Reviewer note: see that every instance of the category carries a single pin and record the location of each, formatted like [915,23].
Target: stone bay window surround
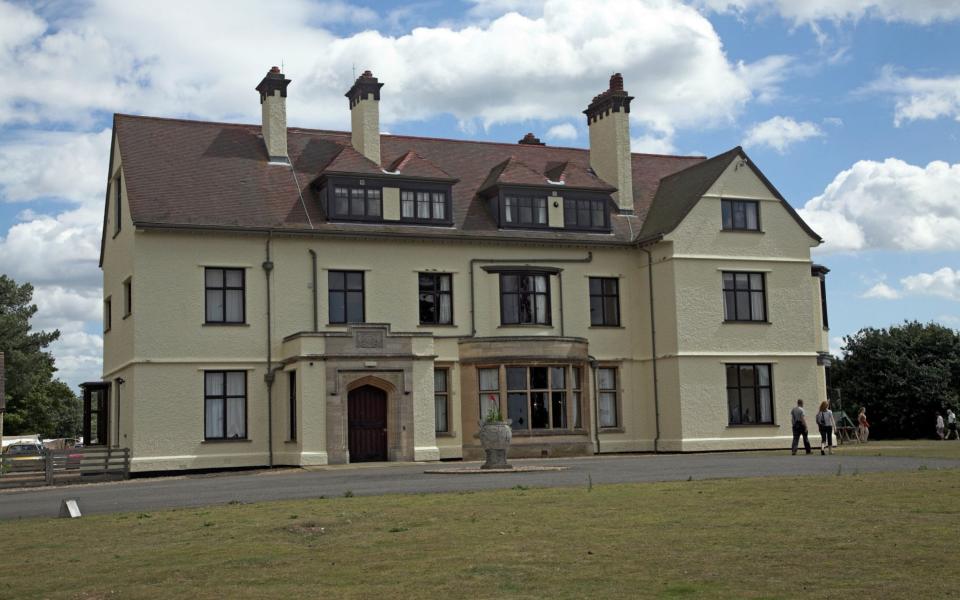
[312,297]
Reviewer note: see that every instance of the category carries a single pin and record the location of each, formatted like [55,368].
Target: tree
[903,375]
[36,402]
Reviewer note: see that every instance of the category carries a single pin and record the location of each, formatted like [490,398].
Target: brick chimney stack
[608,119]
[364,99]
[273,109]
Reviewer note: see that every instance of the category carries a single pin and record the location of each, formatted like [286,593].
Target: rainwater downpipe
[594,364]
[525,261]
[653,350]
[271,375]
[316,323]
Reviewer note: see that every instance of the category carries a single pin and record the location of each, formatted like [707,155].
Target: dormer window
[586,213]
[423,205]
[524,210]
[360,203]
[741,215]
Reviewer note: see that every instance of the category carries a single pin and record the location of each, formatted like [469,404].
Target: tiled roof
[411,164]
[678,194]
[183,173]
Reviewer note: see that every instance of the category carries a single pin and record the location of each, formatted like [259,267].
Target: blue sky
[851,108]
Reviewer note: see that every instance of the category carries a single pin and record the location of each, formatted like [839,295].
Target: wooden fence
[71,465]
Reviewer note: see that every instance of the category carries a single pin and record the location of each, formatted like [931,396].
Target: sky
[850,107]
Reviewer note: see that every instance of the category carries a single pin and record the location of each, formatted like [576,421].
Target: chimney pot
[616,82]
[274,69]
[531,140]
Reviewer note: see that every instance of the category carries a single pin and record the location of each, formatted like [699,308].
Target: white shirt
[951,418]
[939,422]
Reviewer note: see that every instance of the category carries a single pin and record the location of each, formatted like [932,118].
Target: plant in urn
[495,436]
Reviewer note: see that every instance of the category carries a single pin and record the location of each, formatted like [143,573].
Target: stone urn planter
[495,437]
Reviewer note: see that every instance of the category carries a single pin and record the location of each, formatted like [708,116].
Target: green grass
[915,448]
[869,536]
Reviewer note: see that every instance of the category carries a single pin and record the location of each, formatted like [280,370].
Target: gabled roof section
[411,164]
[348,160]
[576,176]
[679,193]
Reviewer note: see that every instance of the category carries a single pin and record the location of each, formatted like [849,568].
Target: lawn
[917,448]
[849,535]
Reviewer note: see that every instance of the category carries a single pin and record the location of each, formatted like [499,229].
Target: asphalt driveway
[405,478]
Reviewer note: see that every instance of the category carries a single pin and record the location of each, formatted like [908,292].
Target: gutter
[653,350]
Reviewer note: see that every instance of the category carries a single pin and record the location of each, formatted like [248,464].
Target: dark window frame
[522,196]
[223,289]
[128,297]
[823,303]
[573,206]
[350,188]
[603,295]
[107,313]
[569,395]
[436,293]
[347,289]
[756,393]
[728,208]
[446,219]
[118,205]
[445,396]
[225,396]
[615,390]
[292,405]
[533,295]
[750,290]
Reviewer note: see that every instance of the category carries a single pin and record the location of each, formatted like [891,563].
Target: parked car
[24,457]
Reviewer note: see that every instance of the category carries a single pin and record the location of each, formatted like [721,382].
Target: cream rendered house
[285,296]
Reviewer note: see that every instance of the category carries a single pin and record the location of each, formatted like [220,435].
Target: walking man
[952,425]
[798,419]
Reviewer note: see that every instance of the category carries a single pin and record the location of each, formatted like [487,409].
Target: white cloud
[890,205]
[881,291]
[79,357]
[919,98]
[944,283]
[546,65]
[65,165]
[653,144]
[61,250]
[780,133]
[810,11]
[564,131]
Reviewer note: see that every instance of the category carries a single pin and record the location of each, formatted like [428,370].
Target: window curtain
[540,283]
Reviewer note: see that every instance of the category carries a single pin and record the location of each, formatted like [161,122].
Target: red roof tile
[194,173]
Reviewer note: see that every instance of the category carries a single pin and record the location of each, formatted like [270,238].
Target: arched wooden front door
[367,424]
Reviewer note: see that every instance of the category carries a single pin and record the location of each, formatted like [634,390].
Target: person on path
[952,425]
[864,425]
[798,419]
[940,425]
[826,424]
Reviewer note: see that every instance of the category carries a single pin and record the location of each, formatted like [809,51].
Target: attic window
[525,211]
[741,215]
[424,206]
[362,203]
[585,213]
